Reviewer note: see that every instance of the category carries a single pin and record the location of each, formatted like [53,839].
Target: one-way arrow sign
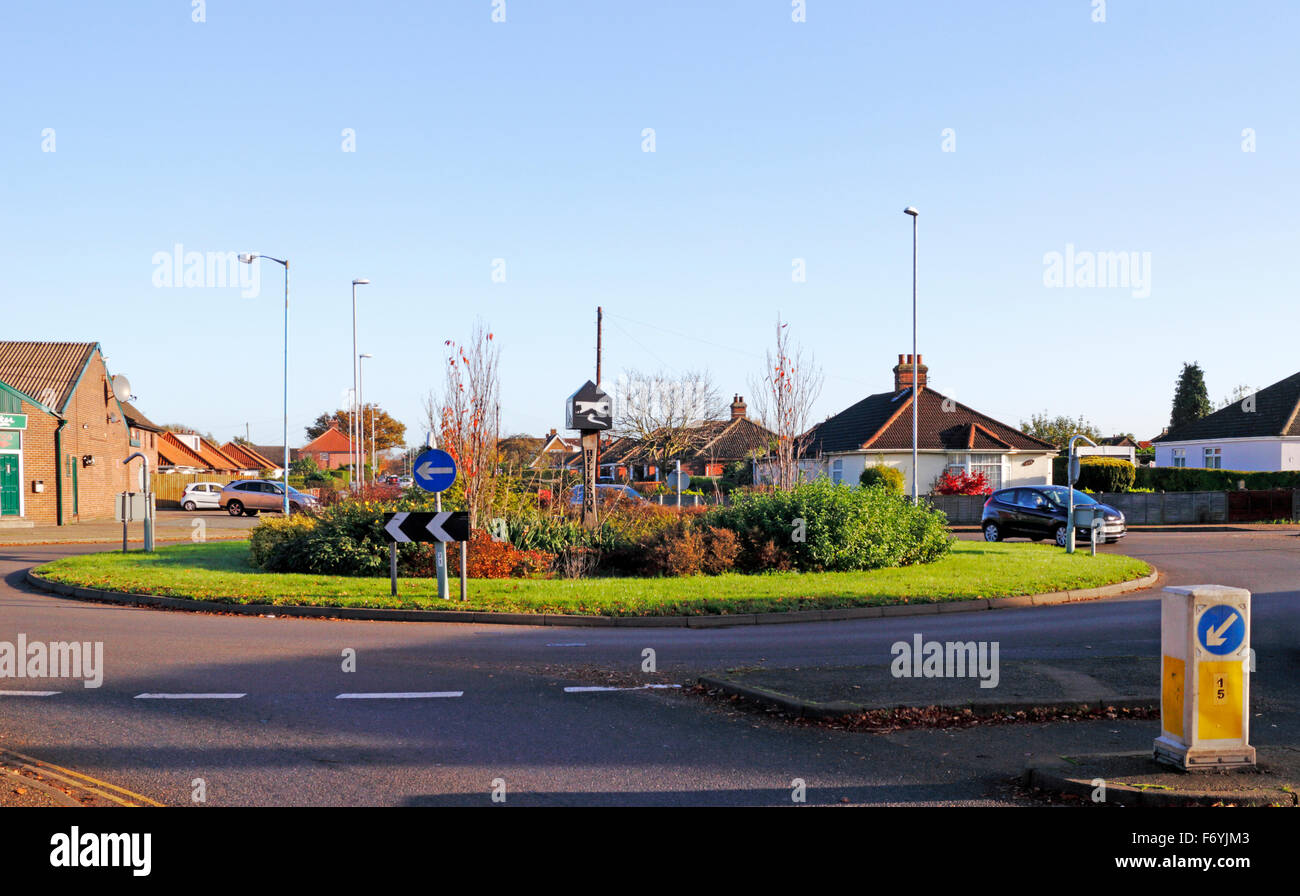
[411,525]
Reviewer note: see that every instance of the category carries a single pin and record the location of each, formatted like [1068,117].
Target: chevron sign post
[406,526]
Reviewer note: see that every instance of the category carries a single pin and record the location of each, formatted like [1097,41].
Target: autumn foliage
[961,483]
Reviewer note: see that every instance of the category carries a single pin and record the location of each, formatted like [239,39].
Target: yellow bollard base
[1171,752]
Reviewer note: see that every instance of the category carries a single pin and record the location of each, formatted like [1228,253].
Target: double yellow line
[75,780]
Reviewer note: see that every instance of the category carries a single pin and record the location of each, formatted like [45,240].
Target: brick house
[63,435]
[331,449]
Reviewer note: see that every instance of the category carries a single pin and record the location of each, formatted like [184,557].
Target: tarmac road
[288,739]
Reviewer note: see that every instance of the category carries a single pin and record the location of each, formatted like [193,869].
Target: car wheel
[1062,536]
[190,505]
[991,532]
[235,508]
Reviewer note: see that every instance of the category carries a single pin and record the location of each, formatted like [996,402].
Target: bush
[487,559]
[1199,479]
[1096,473]
[950,483]
[887,477]
[269,535]
[691,548]
[822,526]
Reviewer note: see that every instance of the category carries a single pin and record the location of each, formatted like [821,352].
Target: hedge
[888,477]
[1200,479]
[1097,474]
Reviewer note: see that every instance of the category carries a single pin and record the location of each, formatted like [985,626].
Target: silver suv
[248,496]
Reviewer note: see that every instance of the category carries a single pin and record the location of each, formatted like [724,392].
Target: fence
[1163,508]
[168,487]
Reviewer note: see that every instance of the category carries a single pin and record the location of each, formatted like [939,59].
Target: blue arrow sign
[434,470]
[1221,629]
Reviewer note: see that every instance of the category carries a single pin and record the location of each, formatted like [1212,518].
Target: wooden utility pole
[600,316]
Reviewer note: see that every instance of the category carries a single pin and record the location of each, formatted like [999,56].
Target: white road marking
[400,695]
[189,696]
[568,644]
[640,687]
[28,693]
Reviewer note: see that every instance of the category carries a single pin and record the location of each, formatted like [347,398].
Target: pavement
[169,526]
[264,711]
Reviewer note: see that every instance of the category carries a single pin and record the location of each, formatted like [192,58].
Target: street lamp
[249,258]
[916,473]
[361,405]
[353,429]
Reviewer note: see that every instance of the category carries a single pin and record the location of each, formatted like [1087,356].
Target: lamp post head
[910,210]
[365,355]
[247,257]
[361,282]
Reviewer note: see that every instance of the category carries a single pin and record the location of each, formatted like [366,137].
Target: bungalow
[950,437]
[713,445]
[252,463]
[1259,433]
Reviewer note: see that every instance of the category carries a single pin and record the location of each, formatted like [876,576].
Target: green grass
[220,572]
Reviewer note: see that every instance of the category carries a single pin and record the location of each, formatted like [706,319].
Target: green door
[9,485]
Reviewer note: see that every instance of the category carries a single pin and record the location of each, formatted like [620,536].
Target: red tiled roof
[174,453]
[45,371]
[331,440]
[247,457]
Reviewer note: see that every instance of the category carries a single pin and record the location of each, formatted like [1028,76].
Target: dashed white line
[189,696]
[400,695]
[28,693]
[568,644]
[640,687]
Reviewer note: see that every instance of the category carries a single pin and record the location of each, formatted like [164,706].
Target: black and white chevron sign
[410,525]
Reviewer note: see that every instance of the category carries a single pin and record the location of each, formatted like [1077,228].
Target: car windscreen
[1061,495]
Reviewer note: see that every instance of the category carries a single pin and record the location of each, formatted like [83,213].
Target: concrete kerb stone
[1058,780]
[569,620]
[839,708]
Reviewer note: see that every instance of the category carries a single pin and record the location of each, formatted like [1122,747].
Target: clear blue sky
[774,141]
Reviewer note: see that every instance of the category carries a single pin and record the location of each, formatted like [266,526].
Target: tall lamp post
[916,473]
[249,258]
[353,428]
[361,407]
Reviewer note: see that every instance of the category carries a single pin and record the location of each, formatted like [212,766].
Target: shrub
[270,534]
[890,478]
[487,559]
[691,548]
[961,483]
[822,526]
[1096,473]
[1199,479]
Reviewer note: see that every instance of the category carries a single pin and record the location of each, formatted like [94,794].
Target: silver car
[248,496]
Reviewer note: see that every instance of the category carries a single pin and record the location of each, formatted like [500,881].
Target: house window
[1213,458]
[1180,457]
[837,470]
[988,464]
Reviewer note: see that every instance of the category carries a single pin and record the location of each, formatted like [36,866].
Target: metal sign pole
[392,566]
[464,564]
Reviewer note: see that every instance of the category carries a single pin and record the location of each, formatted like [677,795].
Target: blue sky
[774,140]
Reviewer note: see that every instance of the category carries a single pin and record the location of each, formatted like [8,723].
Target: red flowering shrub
[961,483]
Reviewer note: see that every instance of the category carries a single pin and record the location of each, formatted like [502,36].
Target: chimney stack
[903,372]
[739,409]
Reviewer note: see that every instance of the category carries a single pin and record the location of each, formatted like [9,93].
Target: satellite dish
[121,387]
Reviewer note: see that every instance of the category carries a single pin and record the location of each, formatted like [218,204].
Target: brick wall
[87,433]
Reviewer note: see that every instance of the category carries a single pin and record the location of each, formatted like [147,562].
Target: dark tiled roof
[138,420]
[1275,414]
[45,371]
[884,422]
[248,456]
[715,440]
